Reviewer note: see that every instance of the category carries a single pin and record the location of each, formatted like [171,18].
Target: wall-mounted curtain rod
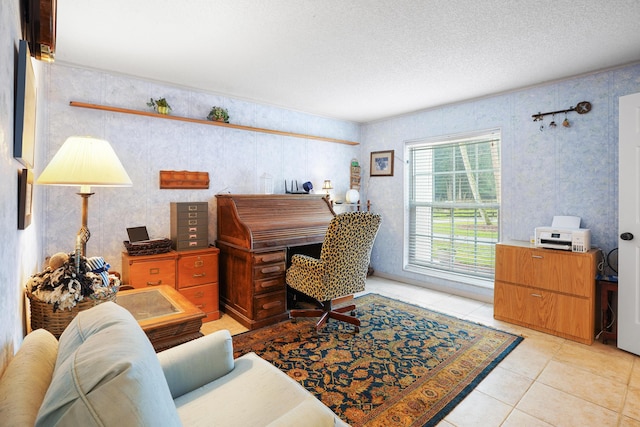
[582,108]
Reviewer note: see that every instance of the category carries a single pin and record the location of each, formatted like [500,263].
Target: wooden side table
[608,288]
[166,316]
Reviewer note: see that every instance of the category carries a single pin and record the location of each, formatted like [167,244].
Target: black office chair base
[326,312]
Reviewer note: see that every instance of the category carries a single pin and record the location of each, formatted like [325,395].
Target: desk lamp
[85,161]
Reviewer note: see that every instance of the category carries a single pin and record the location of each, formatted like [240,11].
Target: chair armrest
[196,363]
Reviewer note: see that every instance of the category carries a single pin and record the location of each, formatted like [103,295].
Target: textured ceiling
[358,60]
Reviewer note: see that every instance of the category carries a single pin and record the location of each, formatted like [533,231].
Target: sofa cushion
[255,393]
[26,379]
[107,374]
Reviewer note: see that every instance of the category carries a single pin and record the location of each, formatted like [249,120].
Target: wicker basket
[151,247]
[43,316]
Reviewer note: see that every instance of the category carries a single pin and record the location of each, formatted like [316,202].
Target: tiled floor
[545,381]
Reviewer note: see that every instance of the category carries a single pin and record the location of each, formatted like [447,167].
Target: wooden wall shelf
[206,122]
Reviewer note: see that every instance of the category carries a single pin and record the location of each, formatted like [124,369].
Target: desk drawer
[269,270]
[268,257]
[269,285]
[152,273]
[270,304]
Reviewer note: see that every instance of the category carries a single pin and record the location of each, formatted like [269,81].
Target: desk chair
[340,271]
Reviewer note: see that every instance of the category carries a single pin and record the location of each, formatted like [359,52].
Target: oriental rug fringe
[408,366]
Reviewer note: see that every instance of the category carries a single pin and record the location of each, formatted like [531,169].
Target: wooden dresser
[256,235]
[193,273]
[547,290]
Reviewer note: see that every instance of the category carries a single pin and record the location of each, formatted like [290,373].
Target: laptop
[138,234]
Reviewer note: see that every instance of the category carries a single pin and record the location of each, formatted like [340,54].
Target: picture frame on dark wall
[25,198]
[381,163]
[24,135]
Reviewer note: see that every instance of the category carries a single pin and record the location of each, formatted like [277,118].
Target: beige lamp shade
[85,161]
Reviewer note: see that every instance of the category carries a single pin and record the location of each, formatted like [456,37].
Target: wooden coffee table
[167,317]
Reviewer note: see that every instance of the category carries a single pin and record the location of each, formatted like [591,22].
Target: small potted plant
[218,114]
[160,105]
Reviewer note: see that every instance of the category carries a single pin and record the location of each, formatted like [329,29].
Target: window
[454,204]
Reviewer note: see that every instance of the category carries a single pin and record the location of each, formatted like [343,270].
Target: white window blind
[454,204]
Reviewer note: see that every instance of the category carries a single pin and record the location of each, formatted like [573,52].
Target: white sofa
[104,372]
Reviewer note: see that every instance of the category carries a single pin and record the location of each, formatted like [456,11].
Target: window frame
[457,276]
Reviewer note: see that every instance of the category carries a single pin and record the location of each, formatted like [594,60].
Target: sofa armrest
[196,363]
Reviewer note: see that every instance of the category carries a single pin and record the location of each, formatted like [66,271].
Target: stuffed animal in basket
[63,284]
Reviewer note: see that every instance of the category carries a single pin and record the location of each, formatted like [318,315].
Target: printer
[565,234]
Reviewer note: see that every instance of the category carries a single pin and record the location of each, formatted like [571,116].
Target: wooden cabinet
[193,273]
[548,290]
[197,272]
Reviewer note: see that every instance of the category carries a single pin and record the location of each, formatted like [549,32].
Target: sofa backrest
[107,374]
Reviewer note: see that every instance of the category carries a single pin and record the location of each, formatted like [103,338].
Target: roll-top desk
[256,234]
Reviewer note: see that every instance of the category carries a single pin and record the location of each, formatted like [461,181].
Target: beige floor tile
[479,409]
[225,322]
[457,306]
[562,409]
[571,379]
[632,404]
[520,419]
[505,385]
[526,361]
[598,359]
[634,381]
[628,422]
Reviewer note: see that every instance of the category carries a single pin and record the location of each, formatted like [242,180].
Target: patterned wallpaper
[561,171]
[235,159]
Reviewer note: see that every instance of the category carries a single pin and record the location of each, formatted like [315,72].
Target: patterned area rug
[408,366]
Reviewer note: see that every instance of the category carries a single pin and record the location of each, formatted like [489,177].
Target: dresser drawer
[184,230]
[270,304]
[187,209]
[152,273]
[205,297]
[183,245]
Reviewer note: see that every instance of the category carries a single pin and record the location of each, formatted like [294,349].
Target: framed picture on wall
[25,198]
[381,163]
[24,129]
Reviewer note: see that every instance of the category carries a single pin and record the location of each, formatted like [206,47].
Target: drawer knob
[536,295]
[195,276]
[159,282]
[271,269]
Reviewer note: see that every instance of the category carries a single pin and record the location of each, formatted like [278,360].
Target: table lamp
[327,186]
[85,161]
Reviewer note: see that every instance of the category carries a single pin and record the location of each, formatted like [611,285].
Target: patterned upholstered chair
[341,269]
